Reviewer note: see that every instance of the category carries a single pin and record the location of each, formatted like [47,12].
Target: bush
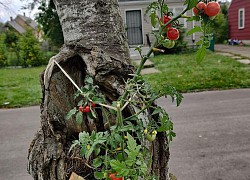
[11,41]
[3,55]
[30,53]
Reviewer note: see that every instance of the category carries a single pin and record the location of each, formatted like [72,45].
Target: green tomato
[150,137]
[168,43]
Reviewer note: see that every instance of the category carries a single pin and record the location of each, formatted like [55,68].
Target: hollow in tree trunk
[95,45]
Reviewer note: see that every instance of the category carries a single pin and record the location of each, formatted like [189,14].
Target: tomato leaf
[131,142]
[71,113]
[194,30]
[97,100]
[79,118]
[193,18]
[89,80]
[80,103]
[157,111]
[201,54]
[119,167]
[97,162]
[99,175]
[153,18]
[191,3]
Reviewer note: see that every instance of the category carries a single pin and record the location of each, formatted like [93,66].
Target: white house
[138,24]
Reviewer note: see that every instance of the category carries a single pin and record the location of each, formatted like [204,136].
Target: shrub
[30,52]
[3,56]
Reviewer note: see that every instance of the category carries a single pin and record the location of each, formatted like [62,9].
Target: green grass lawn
[183,72]
[20,87]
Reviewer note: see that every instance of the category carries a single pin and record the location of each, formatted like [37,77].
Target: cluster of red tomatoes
[210,9]
[86,109]
[172,33]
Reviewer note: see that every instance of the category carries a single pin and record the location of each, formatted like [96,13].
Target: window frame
[241,26]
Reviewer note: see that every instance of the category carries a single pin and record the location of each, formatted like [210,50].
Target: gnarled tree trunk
[95,45]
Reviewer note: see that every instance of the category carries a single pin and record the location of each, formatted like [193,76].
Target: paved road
[212,143]
[17,129]
[213,136]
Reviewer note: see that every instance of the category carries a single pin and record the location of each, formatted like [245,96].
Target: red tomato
[81,109]
[212,9]
[201,6]
[173,34]
[166,19]
[113,177]
[86,109]
[92,104]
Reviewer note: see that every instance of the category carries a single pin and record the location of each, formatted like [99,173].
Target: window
[241,18]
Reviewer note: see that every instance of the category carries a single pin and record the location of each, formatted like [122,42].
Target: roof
[19,27]
[29,21]
[16,26]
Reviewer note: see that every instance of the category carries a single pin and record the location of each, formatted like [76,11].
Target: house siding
[234,31]
[146,24]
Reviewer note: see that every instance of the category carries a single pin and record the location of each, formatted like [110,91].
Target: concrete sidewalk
[136,58]
[239,53]
[212,143]
[236,50]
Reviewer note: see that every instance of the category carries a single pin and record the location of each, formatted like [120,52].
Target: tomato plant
[212,8]
[173,34]
[201,6]
[123,146]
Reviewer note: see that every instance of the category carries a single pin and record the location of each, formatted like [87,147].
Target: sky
[13,7]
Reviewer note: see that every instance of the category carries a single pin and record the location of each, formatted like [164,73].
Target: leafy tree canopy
[49,20]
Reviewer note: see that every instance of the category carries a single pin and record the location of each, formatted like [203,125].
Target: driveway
[212,143]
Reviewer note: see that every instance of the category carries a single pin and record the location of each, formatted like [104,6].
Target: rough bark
[95,45]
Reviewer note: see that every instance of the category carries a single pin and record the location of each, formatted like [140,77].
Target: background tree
[3,55]
[11,41]
[219,25]
[29,50]
[49,20]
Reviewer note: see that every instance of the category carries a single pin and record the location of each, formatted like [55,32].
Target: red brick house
[239,20]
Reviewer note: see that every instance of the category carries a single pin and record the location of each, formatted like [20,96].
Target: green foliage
[30,53]
[11,41]
[49,20]
[191,3]
[3,55]
[219,26]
